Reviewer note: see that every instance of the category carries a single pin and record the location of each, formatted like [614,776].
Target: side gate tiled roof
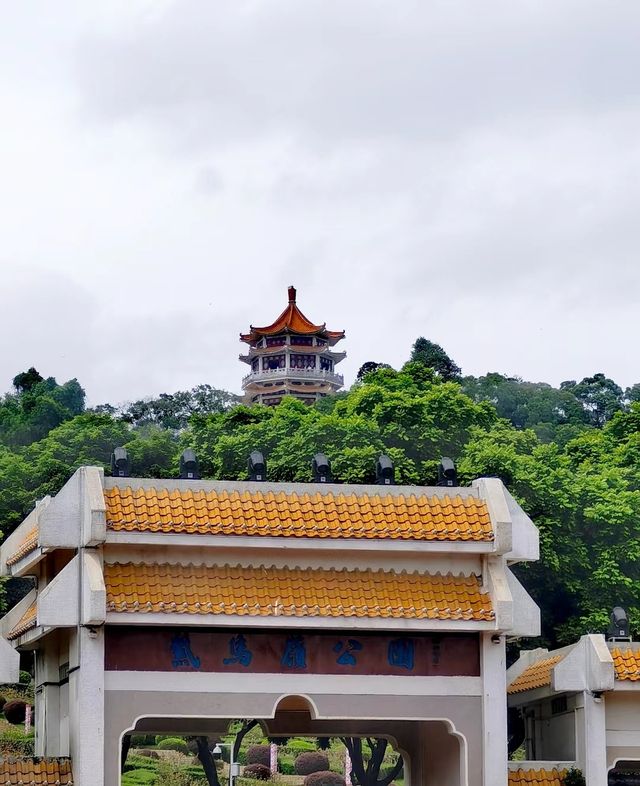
[536,777]
[293,592]
[35,772]
[537,675]
[280,514]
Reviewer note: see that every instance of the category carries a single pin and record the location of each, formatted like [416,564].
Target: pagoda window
[254,365]
[276,341]
[301,341]
[320,342]
[273,362]
[303,361]
[326,364]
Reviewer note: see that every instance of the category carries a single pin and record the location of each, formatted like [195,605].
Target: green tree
[600,396]
[433,356]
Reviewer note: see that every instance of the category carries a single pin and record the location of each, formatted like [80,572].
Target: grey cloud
[209,73]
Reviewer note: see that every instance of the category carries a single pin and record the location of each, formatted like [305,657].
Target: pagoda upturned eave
[292,321]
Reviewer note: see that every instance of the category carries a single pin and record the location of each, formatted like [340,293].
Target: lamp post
[234,769]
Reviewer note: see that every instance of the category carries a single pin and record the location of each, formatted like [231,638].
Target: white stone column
[86,700]
[47,721]
[591,743]
[494,710]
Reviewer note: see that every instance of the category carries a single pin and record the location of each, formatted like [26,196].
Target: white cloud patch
[465,171]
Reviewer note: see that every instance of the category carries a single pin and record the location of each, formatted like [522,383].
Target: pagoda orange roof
[292,320]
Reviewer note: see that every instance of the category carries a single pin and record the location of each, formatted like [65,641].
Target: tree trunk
[124,751]
[245,729]
[368,775]
[207,761]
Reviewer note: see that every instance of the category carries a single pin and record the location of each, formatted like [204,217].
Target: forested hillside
[571,456]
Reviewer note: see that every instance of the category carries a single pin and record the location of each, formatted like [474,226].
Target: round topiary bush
[315,761]
[259,754]
[173,744]
[15,711]
[259,772]
[324,778]
[25,678]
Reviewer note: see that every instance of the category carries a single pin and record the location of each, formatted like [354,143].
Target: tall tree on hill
[433,356]
[600,396]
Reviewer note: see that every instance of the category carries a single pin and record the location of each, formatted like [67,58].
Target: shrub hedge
[173,744]
[259,772]
[15,711]
[324,778]
[315,761]
[259,754]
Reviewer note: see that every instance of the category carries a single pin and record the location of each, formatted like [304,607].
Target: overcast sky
[467,171]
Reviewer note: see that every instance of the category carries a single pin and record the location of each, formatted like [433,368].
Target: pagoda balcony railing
[298,374]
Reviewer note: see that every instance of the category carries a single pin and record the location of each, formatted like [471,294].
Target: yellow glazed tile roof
[626,663]
[298,515]
[536,777]
[35,772]
[537,675]
[270,591]
[29,543]
[27,622]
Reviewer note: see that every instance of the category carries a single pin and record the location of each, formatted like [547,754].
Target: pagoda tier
[291,357]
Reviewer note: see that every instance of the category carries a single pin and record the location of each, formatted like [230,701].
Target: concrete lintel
[9,663]
[588,666]
[540,765]
[94,517]
[492,491]
[94,592]
[498,586]
[526,612]
[526,538]
[316,623]
[316,684]
[58,601]
[262,543]
[60,523]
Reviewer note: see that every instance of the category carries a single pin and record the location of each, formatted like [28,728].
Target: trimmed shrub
[324,778]
[148,753]
[259,772]
[173,744]
[15,711]
[25,678]
[3,701]
[259,754]
[306,763]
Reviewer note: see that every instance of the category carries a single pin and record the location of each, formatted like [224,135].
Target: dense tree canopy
[571,456]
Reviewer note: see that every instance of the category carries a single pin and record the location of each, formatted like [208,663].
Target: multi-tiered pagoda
[291,357]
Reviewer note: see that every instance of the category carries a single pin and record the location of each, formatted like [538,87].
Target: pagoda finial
[292,294]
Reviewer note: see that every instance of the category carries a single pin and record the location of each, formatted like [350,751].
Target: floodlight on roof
[447,475]
[321,468]
[619,625]
[189,469]
[257,466]
[385,473]
[120,464]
